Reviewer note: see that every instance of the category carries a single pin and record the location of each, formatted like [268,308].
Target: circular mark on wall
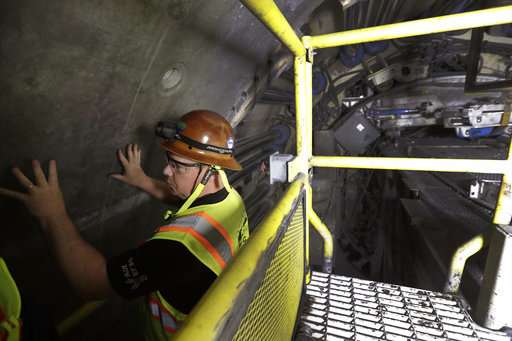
[172,79]
[179,9]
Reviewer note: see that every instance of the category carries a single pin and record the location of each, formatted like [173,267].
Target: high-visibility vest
[10,306]
[213,233]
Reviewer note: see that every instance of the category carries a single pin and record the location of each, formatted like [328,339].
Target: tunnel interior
[81,80]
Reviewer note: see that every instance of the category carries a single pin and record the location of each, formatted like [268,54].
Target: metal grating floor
[344,308]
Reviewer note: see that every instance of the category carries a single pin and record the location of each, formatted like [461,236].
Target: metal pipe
[459,262]
[454,22]
[248,167]
[208,316]
[255,197]
[262,142]
[250,153]
[303,70]
[503,212]
[270,15]
[414,164]
[249,139]
[300,102]
[323,231]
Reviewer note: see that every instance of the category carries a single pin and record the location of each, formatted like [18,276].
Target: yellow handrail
[412,164]
[271,16]
[209,316]
[459,262]
[454,22]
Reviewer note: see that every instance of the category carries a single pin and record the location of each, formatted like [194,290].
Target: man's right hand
[133,173]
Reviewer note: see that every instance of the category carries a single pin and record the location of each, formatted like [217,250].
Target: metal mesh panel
[273,310]
[344,308]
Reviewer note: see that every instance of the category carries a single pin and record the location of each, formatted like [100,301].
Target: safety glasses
[175,164]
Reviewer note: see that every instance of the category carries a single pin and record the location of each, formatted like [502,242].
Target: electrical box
[355,134]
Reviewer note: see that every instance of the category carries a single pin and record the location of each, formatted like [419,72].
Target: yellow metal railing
[458,263]
[220,311]
[305,159]
[453,22]
[209,317]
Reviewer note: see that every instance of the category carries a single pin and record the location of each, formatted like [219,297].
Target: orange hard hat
[206,137]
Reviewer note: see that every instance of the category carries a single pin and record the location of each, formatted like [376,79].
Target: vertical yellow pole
[302,105]
[270,15]
[503,212]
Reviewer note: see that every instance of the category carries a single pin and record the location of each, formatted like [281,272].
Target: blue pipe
[388,112]
[351,55]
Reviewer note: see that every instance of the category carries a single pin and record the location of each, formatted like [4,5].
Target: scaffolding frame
[270,15]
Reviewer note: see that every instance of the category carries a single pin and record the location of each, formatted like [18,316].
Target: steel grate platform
[344,308]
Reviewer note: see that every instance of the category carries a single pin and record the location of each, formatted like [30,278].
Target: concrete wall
[80,79]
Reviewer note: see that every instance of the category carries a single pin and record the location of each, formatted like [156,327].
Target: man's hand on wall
[133,173]
[44,198]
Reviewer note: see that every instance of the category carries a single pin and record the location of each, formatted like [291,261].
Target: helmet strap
[200,187]
[198,190]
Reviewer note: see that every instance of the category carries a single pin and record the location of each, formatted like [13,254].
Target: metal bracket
[278,167]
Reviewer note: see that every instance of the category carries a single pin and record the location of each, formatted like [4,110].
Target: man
[175,267]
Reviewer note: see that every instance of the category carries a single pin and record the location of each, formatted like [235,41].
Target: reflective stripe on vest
[207,231]
[211,233]
[158,312]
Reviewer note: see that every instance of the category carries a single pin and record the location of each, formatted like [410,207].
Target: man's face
[182,175]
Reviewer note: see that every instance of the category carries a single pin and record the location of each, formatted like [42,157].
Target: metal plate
[344,308]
